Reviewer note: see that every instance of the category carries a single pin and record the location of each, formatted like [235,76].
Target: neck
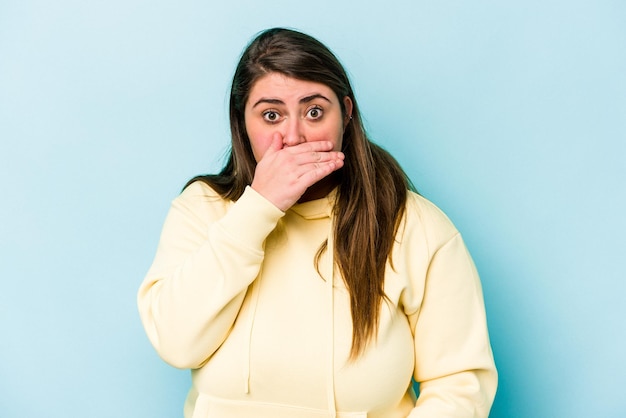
[321,188]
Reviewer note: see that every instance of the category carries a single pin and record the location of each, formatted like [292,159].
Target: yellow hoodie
[234,294]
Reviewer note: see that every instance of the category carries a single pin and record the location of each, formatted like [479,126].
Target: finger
[317,171]
[318,157]
[313,146]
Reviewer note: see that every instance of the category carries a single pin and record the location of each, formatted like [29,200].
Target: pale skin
[296,130]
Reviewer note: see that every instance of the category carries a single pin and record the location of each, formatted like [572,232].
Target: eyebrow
[306,99]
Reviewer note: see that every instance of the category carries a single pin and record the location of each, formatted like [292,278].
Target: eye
[315,113]
[271,116]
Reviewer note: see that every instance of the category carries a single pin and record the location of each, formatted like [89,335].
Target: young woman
[306,279]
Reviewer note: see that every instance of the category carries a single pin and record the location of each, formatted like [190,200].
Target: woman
[305,279]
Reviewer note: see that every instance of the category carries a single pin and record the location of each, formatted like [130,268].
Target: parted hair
[372,189]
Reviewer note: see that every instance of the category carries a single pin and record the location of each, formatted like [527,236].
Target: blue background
[511,116]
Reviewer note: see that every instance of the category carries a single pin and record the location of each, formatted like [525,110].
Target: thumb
[276,144]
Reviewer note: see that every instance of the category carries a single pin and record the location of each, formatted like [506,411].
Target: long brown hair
[373,188]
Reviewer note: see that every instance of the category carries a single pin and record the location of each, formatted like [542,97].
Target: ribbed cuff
[251,219]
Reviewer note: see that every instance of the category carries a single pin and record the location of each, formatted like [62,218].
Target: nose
[294,133]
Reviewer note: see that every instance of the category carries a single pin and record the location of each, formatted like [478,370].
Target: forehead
[287,89]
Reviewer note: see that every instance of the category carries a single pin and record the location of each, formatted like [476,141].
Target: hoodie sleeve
[453,359]
[209,252]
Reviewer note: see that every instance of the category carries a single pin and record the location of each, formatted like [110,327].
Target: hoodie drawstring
[254,302]
[330,387]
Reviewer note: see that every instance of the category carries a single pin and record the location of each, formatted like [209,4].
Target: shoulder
[422,211]
[199,190]
[425,221]
[201,200]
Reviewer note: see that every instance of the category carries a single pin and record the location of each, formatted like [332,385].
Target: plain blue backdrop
[511,116]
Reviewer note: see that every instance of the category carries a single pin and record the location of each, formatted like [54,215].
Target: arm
[209,253]
[453,360]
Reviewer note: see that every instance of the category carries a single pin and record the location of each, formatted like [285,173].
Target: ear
[347,105]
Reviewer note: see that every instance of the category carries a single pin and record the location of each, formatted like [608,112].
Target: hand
[285,173]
